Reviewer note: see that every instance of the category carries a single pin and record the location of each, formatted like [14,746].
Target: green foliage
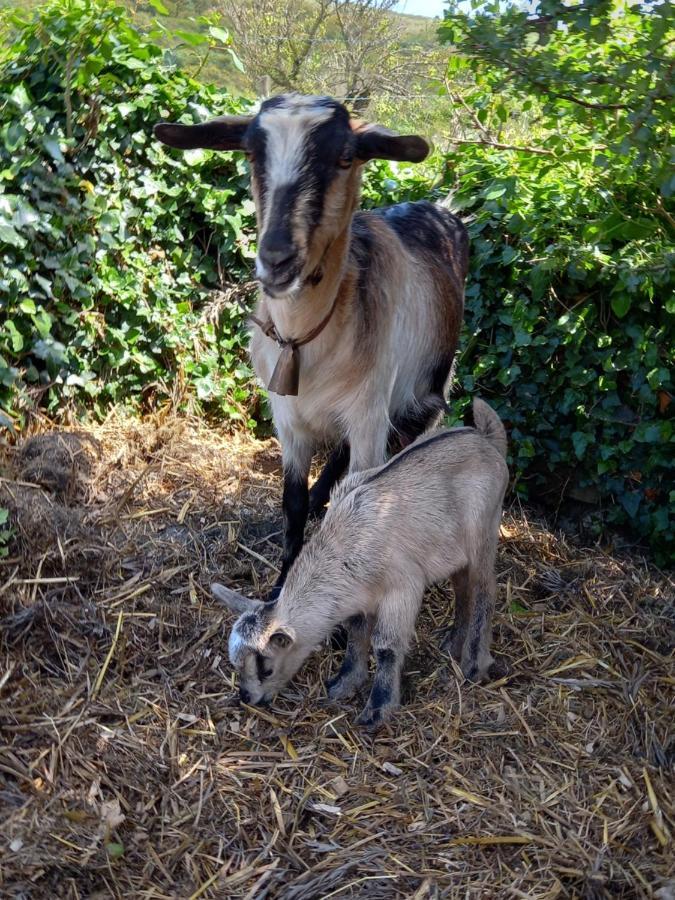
[111,249]
[570,312]
[600,70]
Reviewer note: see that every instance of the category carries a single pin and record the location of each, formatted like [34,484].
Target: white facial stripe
[235,646]
[286,129]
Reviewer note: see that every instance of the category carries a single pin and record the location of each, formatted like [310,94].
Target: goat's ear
[223,133]
[234,601]
[375,142]
[283,637]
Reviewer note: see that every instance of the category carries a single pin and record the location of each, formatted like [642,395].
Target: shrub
[570,309]
[112,249]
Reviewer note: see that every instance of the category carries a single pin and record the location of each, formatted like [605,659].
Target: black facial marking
[248,625]
[263,666]
[328,145]
[282,206]
[325,146]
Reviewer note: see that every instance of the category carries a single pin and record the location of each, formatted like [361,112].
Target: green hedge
[569,333]
[111,249]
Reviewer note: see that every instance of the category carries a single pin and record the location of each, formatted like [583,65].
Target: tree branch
[538,150]
[483,51]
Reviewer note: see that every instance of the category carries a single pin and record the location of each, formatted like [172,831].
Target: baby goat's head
[263,650]
[305,155]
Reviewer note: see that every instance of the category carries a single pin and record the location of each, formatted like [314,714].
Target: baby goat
[430,513]
[358,319]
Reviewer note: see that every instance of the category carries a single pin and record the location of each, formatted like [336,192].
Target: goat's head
[263,650]
[305,155]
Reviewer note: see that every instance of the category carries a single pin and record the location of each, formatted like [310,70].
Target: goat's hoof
[372,718]
[484,674]
[343,687]
[336,689]
[498,669]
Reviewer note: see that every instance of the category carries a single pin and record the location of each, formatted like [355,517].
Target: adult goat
[359,314]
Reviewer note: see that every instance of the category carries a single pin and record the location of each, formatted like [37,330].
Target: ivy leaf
[53,148]
[621,303]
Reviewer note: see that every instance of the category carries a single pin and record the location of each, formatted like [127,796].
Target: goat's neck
[319,594]
[297,315]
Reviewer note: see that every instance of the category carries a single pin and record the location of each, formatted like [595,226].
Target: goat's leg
[368,438]
[476,659]
[409,424]
[354,669]
[475,593]
[330,474]
[455,639]
[391,636]
[295,505]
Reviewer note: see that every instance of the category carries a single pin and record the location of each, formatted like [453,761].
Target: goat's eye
[345,162]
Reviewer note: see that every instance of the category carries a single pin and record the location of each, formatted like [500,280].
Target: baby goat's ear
[234,601]
[223,133]
[375,142]
[283,637]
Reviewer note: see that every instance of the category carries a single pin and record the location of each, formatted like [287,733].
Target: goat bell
[286,376]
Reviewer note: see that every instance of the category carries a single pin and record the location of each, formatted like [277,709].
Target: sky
[421,7]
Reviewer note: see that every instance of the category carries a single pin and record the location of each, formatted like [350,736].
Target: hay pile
[128,770]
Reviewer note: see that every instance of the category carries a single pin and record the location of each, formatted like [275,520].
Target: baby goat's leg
[456,637]
[391,637]
[354,669]
[476,658]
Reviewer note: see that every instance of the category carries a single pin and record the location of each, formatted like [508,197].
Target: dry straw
[128,770]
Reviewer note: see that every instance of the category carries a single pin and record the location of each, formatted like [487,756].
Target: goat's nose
[276,251]
[244,695]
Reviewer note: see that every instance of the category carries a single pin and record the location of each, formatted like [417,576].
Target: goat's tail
[487,422]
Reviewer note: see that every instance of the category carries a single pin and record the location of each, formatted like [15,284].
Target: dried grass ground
[128,770]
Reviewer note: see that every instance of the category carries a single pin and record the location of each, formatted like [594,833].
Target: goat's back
[432,503]
[410,263]
[434,232]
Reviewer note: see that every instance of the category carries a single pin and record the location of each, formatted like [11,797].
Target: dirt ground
[127,768]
